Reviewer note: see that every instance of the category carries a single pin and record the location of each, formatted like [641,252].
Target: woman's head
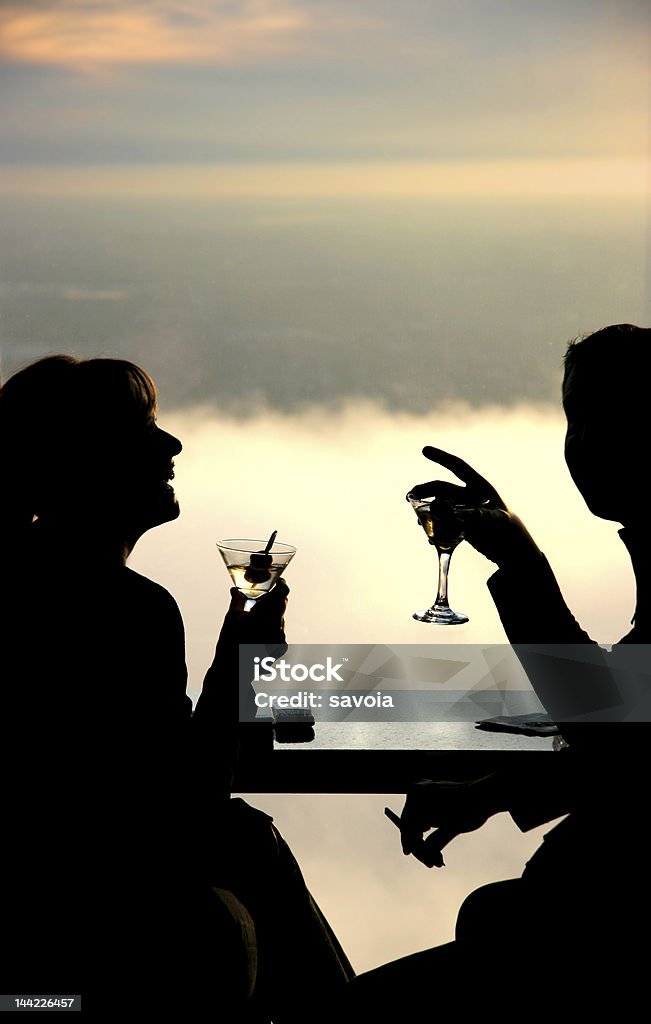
[606,401]
[79,442]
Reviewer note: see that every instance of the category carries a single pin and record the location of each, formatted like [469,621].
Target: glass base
[441,616]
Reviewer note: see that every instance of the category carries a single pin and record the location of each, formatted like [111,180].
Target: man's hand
[483,517]
[448,807]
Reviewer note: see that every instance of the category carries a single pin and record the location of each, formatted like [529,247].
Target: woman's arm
[218,735]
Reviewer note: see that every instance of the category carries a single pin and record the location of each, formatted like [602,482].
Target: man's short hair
[616,357]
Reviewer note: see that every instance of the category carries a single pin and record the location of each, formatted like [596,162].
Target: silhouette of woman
[127,870]
[566,924]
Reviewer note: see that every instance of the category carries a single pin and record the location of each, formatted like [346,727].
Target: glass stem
[444,566]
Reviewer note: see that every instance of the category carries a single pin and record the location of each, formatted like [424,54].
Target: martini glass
[255,565]
[436,516]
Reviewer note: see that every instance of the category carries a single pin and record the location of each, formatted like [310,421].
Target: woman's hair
[60,411]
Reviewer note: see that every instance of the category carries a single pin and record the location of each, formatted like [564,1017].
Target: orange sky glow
[80,34]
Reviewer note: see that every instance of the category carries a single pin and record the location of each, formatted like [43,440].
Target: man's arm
[565,667]
[570,675]
[531,606]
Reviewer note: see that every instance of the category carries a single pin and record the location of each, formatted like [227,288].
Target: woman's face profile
[110,466]
[141,487]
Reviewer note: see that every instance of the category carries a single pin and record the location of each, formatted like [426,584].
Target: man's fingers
[440,489]
[411,827]
[438,839]
[463,470]
[410,839]
[456,465]
[428,851]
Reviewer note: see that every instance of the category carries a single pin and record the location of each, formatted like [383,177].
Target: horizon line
[499,178]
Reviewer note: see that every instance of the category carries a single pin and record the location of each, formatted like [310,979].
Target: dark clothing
[600,701]
[117,815]
[94,768]
[592,866]
[565,929]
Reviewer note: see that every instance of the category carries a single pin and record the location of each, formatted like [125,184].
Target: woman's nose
[169,441]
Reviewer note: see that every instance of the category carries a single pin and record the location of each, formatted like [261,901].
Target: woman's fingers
[279,591]
[276,596]
[237,600]
[274,603]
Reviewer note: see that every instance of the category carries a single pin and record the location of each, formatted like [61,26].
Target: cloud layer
[92,81]
[98,33]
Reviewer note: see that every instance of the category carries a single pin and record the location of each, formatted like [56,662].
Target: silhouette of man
[567,923]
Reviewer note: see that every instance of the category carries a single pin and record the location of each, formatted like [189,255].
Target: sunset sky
[335,231]
[90,83]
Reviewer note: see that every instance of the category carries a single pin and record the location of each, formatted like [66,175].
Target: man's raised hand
[482,514]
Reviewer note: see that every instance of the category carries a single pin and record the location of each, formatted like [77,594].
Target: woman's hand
[263,628]
[263,624]
[484,518]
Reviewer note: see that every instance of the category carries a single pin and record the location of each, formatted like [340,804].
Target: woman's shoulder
[146,592]
[144,585]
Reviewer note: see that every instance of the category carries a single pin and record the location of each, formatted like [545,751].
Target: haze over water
[284,303]
[305,352]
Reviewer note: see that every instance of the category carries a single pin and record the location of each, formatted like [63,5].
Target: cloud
[333,484]
[88,34]
[308,80]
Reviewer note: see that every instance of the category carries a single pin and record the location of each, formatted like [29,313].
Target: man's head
[607,398]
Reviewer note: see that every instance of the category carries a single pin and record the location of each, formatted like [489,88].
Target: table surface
[336,762]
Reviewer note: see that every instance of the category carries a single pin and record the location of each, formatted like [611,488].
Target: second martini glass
[445,535]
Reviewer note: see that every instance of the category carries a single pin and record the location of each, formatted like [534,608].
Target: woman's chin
[170,507]
[164,509]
